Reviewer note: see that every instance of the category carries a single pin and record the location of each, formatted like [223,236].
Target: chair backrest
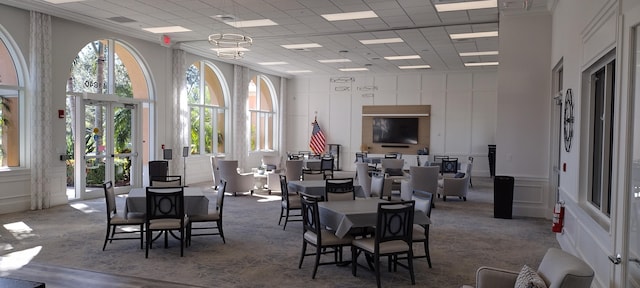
[423,200]
[228,170]
[220,196]
[166,181]
[395,222]
[215,170]
[272,162]
[165,203]
[339,189]
[294,169]
[424,178]
[310,215]
[377,185]
[362,171]
[470,159]
[449,165]
[326,163]
[561,269]
[312,175]
[285,189]
[360,157]
[158,168]
[439,158]
[314,165]
[110,198]
[392,163]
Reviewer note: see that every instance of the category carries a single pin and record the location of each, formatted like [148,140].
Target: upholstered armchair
[454,187]
[423,178]
[236,182]
[214,170]
[558,269]
[272,162]
[364,179]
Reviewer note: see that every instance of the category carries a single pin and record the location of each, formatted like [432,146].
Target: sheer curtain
[181,112]
[40,90]
[239,107]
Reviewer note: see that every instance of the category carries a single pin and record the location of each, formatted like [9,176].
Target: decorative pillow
[529,278]
[394,171]
[459,175]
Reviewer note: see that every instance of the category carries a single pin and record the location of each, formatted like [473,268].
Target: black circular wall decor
[568,119]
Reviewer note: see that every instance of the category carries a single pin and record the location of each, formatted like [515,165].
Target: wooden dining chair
[393,237]
[115,220]
[339,189]
[313,234]
[166,181]
[288,204]
[213,217]
[165,213]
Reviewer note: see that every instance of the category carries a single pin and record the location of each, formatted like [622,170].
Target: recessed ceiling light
[475,64]
[167,29]
[407,57]
[381,41]
[353,69]
[466,5]
[299,71]
[62,1]
[334,60]
[474,35]
[273,63]
[301,46]
[482,53]
[415,67]
[239,49]
[252,23]
[350,16]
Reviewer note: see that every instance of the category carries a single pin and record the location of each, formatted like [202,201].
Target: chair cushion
[294,202]
[328,238]
[529,278]
[215,216]
[459,175]
[368,244]
[164,224]
[418,233]
[394,171]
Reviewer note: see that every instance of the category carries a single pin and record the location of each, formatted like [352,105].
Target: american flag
[317,139]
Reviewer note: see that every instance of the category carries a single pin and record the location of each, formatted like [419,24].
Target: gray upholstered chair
[454,187]
[558,269]
[215,172]
[423,178]
[272,162]
[236,182]
[364,179]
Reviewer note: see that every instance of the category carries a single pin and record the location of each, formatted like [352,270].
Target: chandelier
[230,45]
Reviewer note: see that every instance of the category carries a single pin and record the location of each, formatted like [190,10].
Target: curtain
[239,107]
[181,112]
[40,111]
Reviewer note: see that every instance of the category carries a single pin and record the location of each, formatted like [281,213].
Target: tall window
[206,94]
[261,114]
[11,91]
[602,97]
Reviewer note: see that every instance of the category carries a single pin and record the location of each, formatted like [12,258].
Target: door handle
[616,259]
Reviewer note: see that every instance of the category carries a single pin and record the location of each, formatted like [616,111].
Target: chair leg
[354,260]
[444,198]
[286,219]
[141,236]
[315,265]
[376,262]
[281,215]
[146,249]
[410,259]
[464,198]
[182,231]
[219,223]
[304,250]
[106,237]
[426,252]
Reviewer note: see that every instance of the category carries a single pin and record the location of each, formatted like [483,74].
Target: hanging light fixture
[230,45]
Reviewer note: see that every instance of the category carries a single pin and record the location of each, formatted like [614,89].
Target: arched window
[11,96]
[262,114]
[206,92]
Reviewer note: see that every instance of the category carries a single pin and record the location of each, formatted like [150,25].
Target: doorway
[102,145]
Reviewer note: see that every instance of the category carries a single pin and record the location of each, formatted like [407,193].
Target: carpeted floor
[258,253]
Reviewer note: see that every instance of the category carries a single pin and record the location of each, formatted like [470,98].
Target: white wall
[463,109]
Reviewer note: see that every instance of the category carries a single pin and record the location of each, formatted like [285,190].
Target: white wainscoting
[530,198]
[15,187]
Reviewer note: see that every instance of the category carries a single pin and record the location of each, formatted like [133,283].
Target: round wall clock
[568,119]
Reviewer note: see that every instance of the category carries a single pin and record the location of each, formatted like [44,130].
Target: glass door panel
[633,267]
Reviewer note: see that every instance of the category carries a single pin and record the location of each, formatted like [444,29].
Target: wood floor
[59,277]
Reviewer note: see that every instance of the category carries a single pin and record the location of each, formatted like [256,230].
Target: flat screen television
[395,130]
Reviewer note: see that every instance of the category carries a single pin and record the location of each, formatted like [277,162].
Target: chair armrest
[495,277]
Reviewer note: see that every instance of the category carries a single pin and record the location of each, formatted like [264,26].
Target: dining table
[195,202]
[342,216]
[317,187]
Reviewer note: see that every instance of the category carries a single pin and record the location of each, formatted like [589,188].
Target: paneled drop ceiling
[423,31]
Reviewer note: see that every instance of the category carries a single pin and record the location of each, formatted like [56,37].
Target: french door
[105,143]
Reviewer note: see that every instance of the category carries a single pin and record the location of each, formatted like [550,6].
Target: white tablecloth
[194,201]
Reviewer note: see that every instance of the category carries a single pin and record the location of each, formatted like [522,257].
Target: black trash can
[503,197]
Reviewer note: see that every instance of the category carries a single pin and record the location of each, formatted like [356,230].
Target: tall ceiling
[424,31]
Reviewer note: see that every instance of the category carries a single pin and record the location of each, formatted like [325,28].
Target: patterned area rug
[258,253]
